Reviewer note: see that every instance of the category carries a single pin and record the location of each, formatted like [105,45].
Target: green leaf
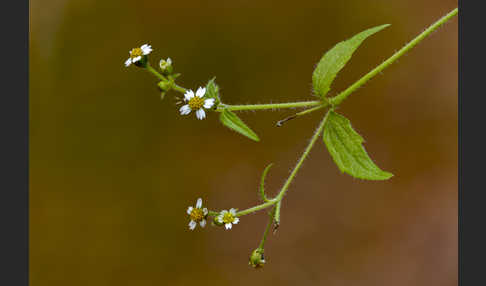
[232,121]
[212,91]
[347,151]
[335,59]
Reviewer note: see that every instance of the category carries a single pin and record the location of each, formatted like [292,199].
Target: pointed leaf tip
[232,121]
[336,58]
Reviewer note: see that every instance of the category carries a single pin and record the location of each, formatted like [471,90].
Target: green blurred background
[113,168]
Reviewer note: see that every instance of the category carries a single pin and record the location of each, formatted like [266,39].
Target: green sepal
[142,63]
[212,91]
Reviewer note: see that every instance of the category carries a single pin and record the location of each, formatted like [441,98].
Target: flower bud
[256,258]
[166,66]
[216,221]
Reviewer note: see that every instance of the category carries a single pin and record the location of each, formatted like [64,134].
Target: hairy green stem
[179,88]
[269,105]
[313,140]
[163,78]
[276,217]
[311,109]
[257,208]
[156,73]
[292,175]
[269,224]
[343,95]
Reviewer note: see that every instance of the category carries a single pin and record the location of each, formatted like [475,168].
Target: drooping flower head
[196,102]
[197,215]
[137,54]
[228,218]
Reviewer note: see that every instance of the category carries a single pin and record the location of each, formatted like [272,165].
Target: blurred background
[113,168]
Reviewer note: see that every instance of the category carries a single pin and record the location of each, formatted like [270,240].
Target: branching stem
[179,88]
[343,95]
[269,224]
[298,114]
[334,102]
[316,105]
[285,187]
[154,72]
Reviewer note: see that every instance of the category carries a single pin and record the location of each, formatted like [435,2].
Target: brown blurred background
[113,168]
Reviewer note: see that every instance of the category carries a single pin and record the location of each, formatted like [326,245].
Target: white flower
[228,218]
[197,215]
[196,103]
[136,54]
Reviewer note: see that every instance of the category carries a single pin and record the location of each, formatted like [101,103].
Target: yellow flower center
[196,102]
[197,215]
[136,52]
[228,218]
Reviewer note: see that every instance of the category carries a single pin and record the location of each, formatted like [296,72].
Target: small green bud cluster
[167,70]
[256,258]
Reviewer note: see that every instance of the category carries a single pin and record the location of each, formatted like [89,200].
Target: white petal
[200,92]
[188,95]
[147,51]
[227,226]
[199,203]
[220,218]
[200,114]
[205,211]
[223,212]
[232,211]
[134,60]
[192,224]
[185,109]
[202,223]
[128,62]
[169,61]
[189,210]
[208,103]
[236,220]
